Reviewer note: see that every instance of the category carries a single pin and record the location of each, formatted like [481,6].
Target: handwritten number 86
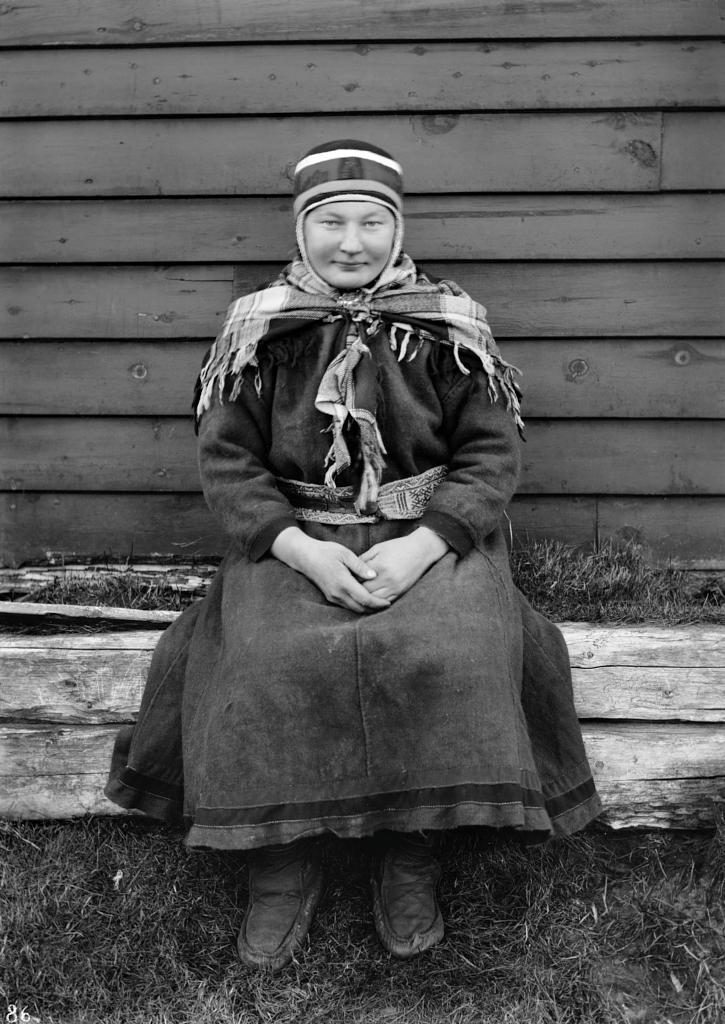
[16,1016]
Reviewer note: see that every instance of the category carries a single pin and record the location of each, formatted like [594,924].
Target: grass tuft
[613,584]
[122,589]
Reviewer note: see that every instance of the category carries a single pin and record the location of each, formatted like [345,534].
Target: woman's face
[348,243]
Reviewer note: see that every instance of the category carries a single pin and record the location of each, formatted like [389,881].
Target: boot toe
[407,917]
[284,891]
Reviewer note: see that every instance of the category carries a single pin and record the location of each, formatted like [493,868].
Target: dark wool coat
[270,714]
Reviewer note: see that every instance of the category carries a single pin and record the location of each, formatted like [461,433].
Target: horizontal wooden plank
[569,519]
[686,531]
[41,797]
[624,457]
[654,803]
[185,301]
[663,774]
[672,674]
[112,453]
[307,78]
[36,526]
[33,613]
[189,581]
[440,152]
[672,378]
[630,750]
[465,227]
[649,672]
[671,299]
[116,453]
[681,531]
[662,803]
[697,138]
[152,378]
[53,749]
[114,22]
[66,526]
[92,683]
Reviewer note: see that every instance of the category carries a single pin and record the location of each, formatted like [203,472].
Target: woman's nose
[350,241]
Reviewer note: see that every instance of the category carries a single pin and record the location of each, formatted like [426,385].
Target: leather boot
[285,885]
[407,917]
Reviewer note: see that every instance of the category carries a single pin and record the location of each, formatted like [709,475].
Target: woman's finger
[358,567]
[360,595]
[385,592]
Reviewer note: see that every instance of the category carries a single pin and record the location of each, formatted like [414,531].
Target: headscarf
[402,303]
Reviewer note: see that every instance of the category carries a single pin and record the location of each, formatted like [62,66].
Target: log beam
[650,699]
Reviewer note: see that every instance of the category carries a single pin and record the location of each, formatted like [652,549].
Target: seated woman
[362,664]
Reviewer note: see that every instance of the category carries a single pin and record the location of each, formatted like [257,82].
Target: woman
[362,663]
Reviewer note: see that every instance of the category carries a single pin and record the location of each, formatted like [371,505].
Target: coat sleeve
[483,467]
[238,486]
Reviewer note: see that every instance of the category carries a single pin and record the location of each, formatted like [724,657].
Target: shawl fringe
[409,304]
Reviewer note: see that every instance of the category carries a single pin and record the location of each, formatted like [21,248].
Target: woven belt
[401,499]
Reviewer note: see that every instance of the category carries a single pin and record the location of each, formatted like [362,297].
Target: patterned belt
[401,499]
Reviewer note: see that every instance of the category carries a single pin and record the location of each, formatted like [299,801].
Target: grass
[614,584]
[121,589]
[115,921]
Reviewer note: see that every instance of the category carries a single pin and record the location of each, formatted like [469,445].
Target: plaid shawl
[403,302]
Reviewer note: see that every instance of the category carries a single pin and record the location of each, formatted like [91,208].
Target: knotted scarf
[403,303]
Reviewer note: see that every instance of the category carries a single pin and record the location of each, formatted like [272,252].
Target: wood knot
[439,124]
[139,371]
[642,152]
[577,368]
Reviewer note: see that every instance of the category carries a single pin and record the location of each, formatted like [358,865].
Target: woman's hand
[400,563]
[332,567]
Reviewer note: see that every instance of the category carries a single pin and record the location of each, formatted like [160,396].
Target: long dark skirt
[270,714]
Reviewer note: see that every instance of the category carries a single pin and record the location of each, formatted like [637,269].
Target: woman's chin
[348,280]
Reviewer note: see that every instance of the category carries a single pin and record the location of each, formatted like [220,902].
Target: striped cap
[347,169]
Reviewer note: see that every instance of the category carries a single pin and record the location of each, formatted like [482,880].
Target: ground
[115,921]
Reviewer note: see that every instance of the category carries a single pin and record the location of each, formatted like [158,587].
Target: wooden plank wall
[565,161]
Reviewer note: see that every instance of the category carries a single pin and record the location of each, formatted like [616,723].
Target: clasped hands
[365,583]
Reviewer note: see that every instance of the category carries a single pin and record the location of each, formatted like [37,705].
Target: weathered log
[650,699]
[19,584]
[650,803]
[74,678]
[33,612]
[632,673]
[663,775]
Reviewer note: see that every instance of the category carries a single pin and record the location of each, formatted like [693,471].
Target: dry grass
[614,584]
[115,921]
[121,589]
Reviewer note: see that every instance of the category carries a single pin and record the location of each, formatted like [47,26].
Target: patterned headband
[347,169]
